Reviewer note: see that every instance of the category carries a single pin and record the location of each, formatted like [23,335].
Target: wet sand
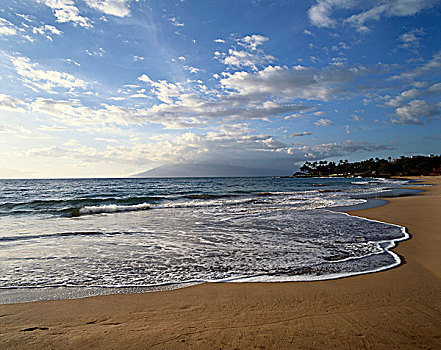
[398,308]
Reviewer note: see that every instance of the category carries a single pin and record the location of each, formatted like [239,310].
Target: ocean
[72,238]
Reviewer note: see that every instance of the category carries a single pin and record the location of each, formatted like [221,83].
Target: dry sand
[394,309]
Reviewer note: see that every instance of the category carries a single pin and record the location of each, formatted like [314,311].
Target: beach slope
[398,308]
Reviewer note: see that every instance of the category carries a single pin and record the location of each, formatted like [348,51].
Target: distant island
[403,166]
[206,170]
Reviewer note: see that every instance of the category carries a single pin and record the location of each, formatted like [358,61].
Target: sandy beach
[395,309]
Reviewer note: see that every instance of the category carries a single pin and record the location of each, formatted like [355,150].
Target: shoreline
[399,307]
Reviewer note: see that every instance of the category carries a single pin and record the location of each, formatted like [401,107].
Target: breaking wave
[110,208]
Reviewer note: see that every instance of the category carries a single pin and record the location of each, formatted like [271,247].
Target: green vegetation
[415,165]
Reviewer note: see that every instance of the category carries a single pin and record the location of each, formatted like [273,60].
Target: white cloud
[435,88]
[165,91]
[73,113]
[252,41]
[66,11]
[268,93]
[45,79]
[73,62]
[28,37]
[298,134]
[323,122]
[7,28]
[341,148]
[69,112]
[180,106]
[27,18]
[412,112]
[176,23]
[19,131]
[71,142]
[106,140]
[297,82]
[9,103]
[139,95]
[292,116]
[119,8]
[433,65]
[52,29]
[321,12]
[192,70]
[46,30]
[357,118]
[392,8]
[53,128]
[249,56]
[220,41]
[85,153]
[100,52]
[411,40]
[410,105]
[241,59]
[402,97]
[26,30]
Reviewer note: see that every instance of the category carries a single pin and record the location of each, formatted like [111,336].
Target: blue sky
[109,88]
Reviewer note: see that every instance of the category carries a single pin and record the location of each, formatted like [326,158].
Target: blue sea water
[78,237]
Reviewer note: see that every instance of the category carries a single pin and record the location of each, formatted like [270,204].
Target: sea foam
[112,208]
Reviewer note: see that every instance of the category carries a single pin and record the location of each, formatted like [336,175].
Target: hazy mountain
[206,170]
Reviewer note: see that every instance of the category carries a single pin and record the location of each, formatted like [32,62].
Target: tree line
[414,165]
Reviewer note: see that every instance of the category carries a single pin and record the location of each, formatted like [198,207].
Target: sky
[111,88]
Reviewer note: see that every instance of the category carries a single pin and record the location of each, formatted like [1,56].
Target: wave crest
[109,208]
